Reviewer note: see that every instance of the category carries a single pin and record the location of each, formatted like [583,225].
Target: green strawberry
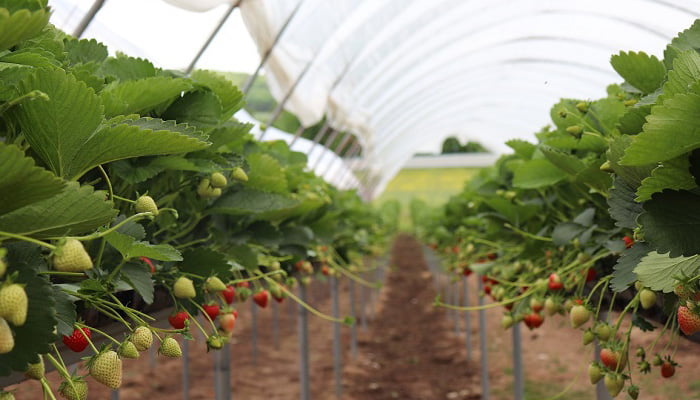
[214,284]
[239,175]
[7,341]
[106,368]
[13,304]
[215,342]
[603,331]
[647,298]
[614,383]
[76,389]
[170,348]
[579,315]
[142,338]
[184,288]
[72,257]
[3,264]
[146,204]
[595,374]
[507,321]
[218,180]
[588,337]
[128,350]
[35,371]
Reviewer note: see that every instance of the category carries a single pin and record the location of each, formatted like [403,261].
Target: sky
[168,36]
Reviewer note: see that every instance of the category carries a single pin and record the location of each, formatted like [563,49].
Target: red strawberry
[688,321]
[590,275]
[487,289]
[325,270]
[629,242]
[229,294]
[235,313]
[536,305]
[613,359]
[77,341]
[533,320]
[555,282]
[466,271]
[667,369]
[212,310]
[484,278]
[243,284]
[261,298]
[455,249]
[178,319]
[492,256]
[149,263]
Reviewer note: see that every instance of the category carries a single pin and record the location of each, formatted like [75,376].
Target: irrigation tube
[483,347]
[254,329]
[185,369]
[303,346]
[518,382]
[353,328]
[337,362]
[467,320]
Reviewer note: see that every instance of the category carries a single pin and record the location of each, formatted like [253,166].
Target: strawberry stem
[47,389]
[88,340]
[124,199]
[110,190]
[203,313]
[100,332]
[27,239]
[97,235]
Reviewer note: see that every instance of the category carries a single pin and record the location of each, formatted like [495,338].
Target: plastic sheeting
[403,73]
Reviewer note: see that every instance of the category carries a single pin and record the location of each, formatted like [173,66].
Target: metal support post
[224,371]
[185,369]
[455,313]
[303,346]
[518,380]
[114,395]
[249,83]
[483,346]
[297,135]
[276,325]
[329,142]
[353,328]
[254,331]
[211,37]
[337,361]
[601,393]
[467,320]
[341,146]
[85,22]
[217,377]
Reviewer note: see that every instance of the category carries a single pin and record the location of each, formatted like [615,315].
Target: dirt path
[409,352]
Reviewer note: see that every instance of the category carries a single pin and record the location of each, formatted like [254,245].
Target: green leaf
[672,129]
[84,51]
[129,248]
[16,26]
[537,173]
[659,271]
[672,174]
[56,129]
[243,255]
[142,95]
[568,163]
[230,97]
[204,261]
[299,235]
[565,114]
[671,222]
[125,68]
[522,148]
[74,211]
[623,208]
[565,232]
[179,163]
[516,214]
[632,122]
[139,278]
[133,173]
[641,323]
[125,138]
[623,271]
[266,174]
[633,176]
[250,201]
[689,39]
[644,72]
[36,335]
[65,311]
[21,182]
[685,72]
[604,114]
[200,108]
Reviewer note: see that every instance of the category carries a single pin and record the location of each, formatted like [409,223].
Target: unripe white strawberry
[7,341]
[214,284]
[76,389]
[106,368]
[239,174]
[72,257]
[218,180]
[170,348]
[142,338]
[14,304]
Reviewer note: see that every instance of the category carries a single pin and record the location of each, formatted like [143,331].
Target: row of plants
[600,213]
[125,188]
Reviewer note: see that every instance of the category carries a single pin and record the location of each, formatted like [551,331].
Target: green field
[432,185]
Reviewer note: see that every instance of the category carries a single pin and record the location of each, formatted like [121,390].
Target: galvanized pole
[318,137]
[276,325]
[211,37]
[337,361]
[518,380]
[254,329]
[115,394]
[363,316]
[92,12]
[297,134]
[601,392]
[217,378]
[483,346]
[343,142]
[329,142]
[353,328]
[351,153]
[225,371]
[303,346]
[251,79]
[185,369]
[467,320]
[455,313]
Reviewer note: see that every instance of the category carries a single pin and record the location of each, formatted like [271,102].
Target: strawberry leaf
[659,271]
[229,96]
[204,262]
[623,271]
[139,278]
[129,248]
[266,174]
[20,24]
[142,95]
[672,174]
[640,70]
[23,183]
[125,68]
[623,208]
[65,311]
[533,174]
[689,39]
[671,221]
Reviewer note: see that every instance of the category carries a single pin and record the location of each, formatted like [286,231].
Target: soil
[409,351]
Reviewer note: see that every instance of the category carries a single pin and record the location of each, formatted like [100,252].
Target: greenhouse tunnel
[380,195]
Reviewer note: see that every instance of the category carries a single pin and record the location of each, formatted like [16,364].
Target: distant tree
[452,145]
